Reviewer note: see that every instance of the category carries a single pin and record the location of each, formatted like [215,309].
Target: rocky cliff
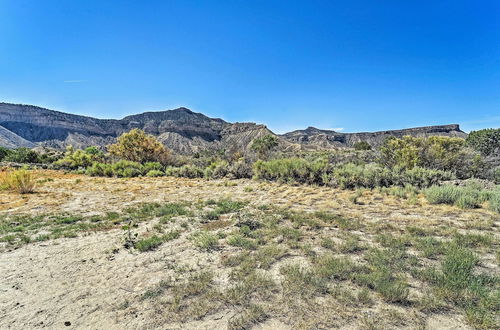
[182,130]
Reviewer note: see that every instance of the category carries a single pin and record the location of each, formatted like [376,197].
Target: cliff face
[182,130]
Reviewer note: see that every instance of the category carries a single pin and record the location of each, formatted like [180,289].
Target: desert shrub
[217,170]
[3,153]
[121,169]
[154,173]
[350,176]
[470,196]
[264,145]
[74,159]
[152,166]
[494,201]
[292,170]
[137,146]
[362,145]
[486,141]
[435,152]
[447,194]
[423,177]
[21,181]
[21,155]
[127,169]
[240,169]
[99,169]
[185,171]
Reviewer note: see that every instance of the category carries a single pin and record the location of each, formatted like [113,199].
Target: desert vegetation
[402,236]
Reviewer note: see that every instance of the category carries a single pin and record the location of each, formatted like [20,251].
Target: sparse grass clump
[252,315]
[205,240]
[458,283]
[222,206]
[302,282]
[151,243]
[384,274]
[240,241]
[334,268]
[169,210]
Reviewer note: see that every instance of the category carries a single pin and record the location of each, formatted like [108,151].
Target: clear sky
[356,65]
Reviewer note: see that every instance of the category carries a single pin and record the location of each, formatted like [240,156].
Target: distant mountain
[182,130]
[314,138]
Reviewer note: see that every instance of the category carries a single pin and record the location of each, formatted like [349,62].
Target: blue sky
[356,65]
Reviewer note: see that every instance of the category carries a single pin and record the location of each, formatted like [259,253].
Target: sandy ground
[82,282]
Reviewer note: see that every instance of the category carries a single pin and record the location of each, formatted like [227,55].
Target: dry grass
[20,181]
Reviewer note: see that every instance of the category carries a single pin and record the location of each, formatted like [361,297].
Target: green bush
[494,201]
[264,145]
[442,194]
[121,169]
[435,152]
[467,197]
[74,159]
[241,168]
[154,173]
[22,155]
[3,153]
[292,170]
[99,169]
[351,176]
[127,169]
[458,282]
[152,166]
[362,145]
[217,170]
[423,177]
[486,141]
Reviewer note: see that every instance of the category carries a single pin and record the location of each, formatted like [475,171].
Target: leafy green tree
[264,145]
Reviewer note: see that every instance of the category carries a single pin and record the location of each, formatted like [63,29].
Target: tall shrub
[137,146]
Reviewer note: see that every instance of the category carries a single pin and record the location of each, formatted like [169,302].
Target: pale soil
[85,280]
